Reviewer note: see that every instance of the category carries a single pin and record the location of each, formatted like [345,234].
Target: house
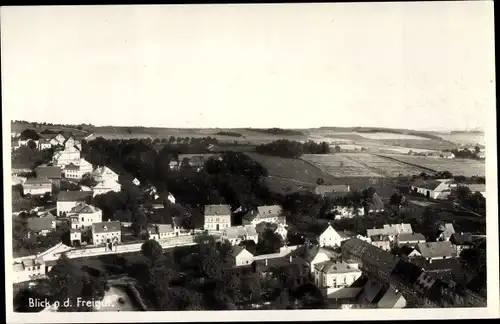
[446,231]
[409,251]
[237,234]
[37,186]
[369,258]
[59,139]
[104,173]
[381,241]
[44,144]
[334,274]
[296,267]
[392,299]
[241,257]
[409,239]
[217,217]
[447,155]
[136,182]
[323,190]
[313,254]
[435,250]
[161,231]
[432,189]
[75,236]
[329,237]
[18,180]
[83,215]
[462,241]
[29,269]
[69,199]
[481,188]
[265,214]
[106,233]
[77,169]
[106,186]
[481,155]
[391,230]
[62,158]
[50,172]
[69,143]
[452,183]
[41,225]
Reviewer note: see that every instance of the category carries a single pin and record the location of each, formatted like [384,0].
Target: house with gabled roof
[103,173]
[381,241]
[462,241]
[432,189]
[29,269]
[392,299]
[52,173]
[335,274]
[329,237]
[409,239]
[162,231]
[265,214]
[390,230]
[66,200]
[83,215]
[436,250]
[37,186]
[106,186]
[106,233]
[241,257]
[217,217]
[237,234]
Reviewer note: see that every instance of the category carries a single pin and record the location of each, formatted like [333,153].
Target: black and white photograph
[250,162]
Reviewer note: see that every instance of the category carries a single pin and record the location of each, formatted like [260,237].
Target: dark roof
[102,227]
[71,166]
[435,249]
[37,224]
[32,181]
[462,239]
[411,237]
[280,263]
[371,254]
[407,272]
[406,249]
[49,172]
[220,210]
[74,195]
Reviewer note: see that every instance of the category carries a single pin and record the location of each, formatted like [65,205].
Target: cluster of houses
[443,188]
[196,161]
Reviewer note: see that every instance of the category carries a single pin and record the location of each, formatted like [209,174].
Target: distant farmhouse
[434,189]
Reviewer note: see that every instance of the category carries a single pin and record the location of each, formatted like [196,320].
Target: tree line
[292,149]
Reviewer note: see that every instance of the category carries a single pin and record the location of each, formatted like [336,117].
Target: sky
[401,65]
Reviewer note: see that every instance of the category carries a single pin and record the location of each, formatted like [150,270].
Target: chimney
[266,262]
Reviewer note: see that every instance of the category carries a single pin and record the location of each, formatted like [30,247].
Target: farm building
[432,189]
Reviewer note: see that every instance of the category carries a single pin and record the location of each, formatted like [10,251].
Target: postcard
[250,162]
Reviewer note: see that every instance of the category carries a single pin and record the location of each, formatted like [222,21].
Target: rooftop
[371,254]
[213,210]
[37,181]
[37,224]
[49,172]
[269,211]
[239,232]
[435,249]
[430,184]
[411,237]
[84,208]
[102,227]
[74,195]
[331,266]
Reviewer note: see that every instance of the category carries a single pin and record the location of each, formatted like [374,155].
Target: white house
[69,143]
[106,233]
[432,189]
[313,254]
[136,182]
[330,237]
[171,198]
[75,236]
[44,144]
[59,139]
[84,215]
[241,257]
[37,186]
[237,234]
[77,169]
[390,231]
[347,212]
[106,186]
[69,199]
[62,158]
[381,241]
[104,173]
[447,155]
[29,269]
[334,274]
[161,231]
[268,214]
[217,217]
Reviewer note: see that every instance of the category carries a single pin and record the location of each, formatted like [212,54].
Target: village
[350,269]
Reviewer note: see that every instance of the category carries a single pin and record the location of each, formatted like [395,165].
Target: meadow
[465,167]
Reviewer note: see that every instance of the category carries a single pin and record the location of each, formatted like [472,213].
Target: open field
[464,138]
[360,165]
[463,167]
